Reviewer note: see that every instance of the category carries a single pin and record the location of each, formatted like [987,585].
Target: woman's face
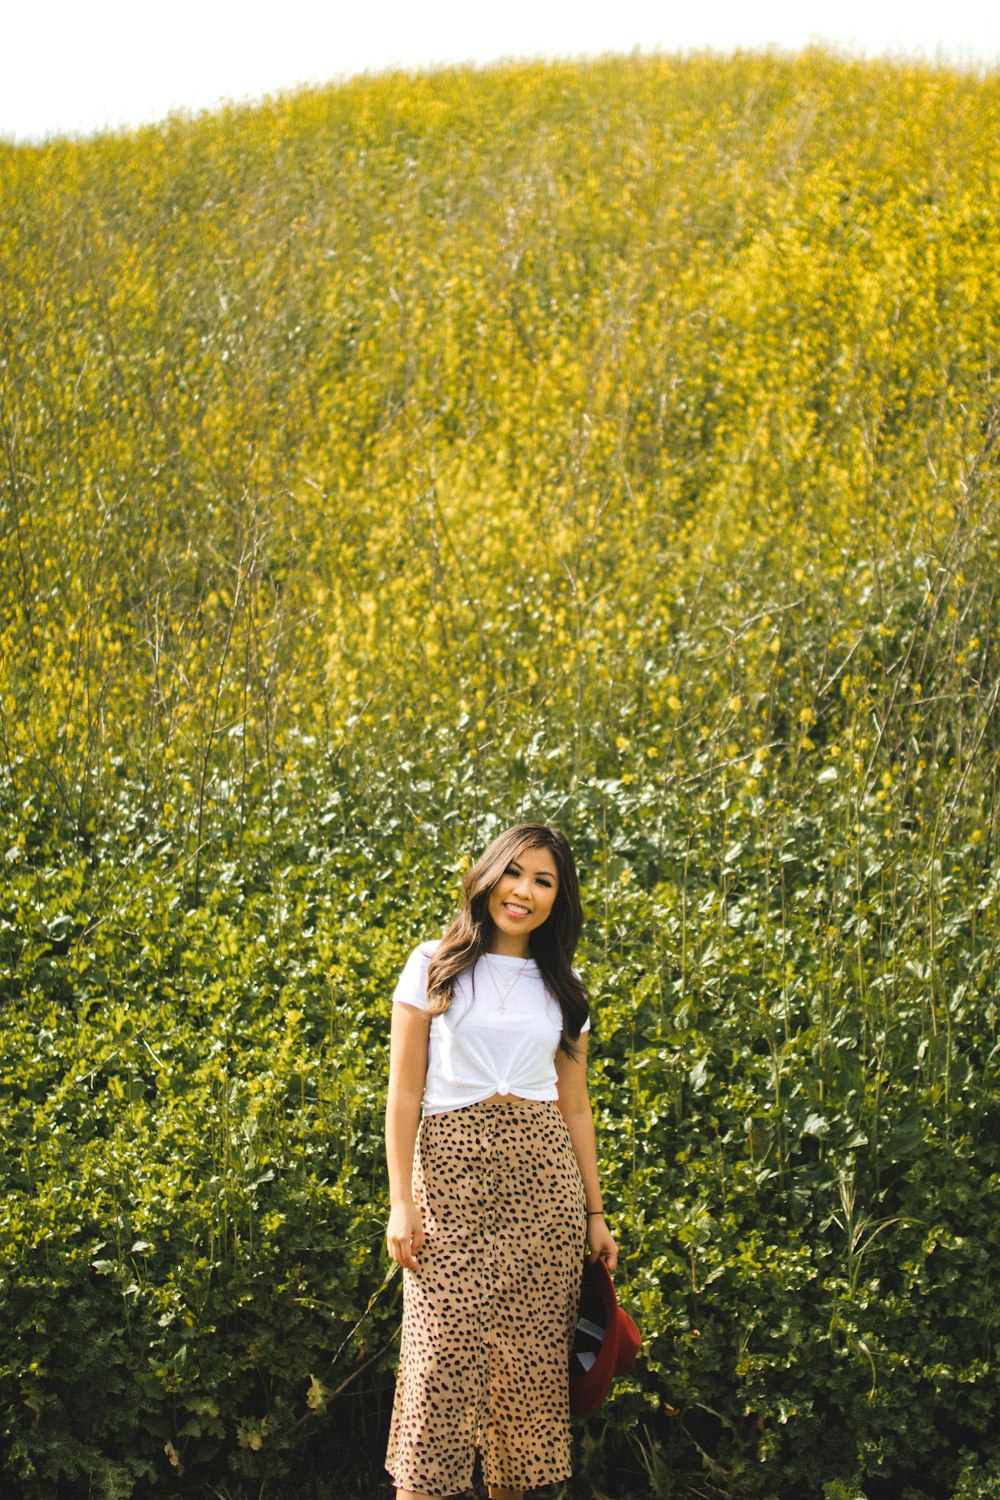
[522,899]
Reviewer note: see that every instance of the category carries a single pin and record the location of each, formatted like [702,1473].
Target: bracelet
[596,1213]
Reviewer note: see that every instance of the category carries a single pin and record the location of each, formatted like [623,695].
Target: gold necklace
[508,983]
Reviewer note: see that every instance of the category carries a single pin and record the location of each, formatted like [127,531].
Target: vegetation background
[609,443]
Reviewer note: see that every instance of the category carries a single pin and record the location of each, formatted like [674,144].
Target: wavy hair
[552,945]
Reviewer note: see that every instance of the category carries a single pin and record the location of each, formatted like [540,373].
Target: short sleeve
[411,986]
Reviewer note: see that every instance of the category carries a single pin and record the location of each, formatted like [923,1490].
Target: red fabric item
[614,1345]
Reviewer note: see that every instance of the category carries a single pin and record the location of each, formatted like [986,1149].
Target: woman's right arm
[407,1075]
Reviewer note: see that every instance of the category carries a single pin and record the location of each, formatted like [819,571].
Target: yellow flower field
[483,386]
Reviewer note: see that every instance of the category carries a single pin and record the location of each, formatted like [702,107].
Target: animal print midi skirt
[488,1319]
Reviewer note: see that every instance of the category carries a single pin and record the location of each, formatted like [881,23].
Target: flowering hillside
[609,443]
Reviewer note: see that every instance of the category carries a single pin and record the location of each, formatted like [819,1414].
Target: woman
[494,1191]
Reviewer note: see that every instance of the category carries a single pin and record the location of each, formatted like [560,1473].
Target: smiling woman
[494,1191]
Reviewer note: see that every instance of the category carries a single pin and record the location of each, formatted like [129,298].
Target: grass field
[609,443]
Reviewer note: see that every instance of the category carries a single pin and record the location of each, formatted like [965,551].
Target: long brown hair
[552,945]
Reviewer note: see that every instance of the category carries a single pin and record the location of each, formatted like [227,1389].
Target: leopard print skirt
[488,1319]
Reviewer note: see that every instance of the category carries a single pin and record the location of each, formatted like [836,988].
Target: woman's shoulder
[411,987]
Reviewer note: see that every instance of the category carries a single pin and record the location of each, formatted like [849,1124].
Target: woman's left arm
[574,1105]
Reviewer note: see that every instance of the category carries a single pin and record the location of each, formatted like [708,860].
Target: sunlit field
[613,444]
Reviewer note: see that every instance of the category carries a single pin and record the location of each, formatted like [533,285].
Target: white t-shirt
[499,1035]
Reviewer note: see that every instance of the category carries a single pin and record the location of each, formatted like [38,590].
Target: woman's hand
[405,1234]
[601,1242]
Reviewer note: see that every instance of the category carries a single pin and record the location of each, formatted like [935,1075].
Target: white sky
[67,66]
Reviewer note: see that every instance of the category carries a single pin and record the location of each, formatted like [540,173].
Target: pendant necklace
[509,982]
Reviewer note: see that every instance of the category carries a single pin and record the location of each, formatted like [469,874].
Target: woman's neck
[507,945]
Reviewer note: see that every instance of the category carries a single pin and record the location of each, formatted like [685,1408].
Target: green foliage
[613,444]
